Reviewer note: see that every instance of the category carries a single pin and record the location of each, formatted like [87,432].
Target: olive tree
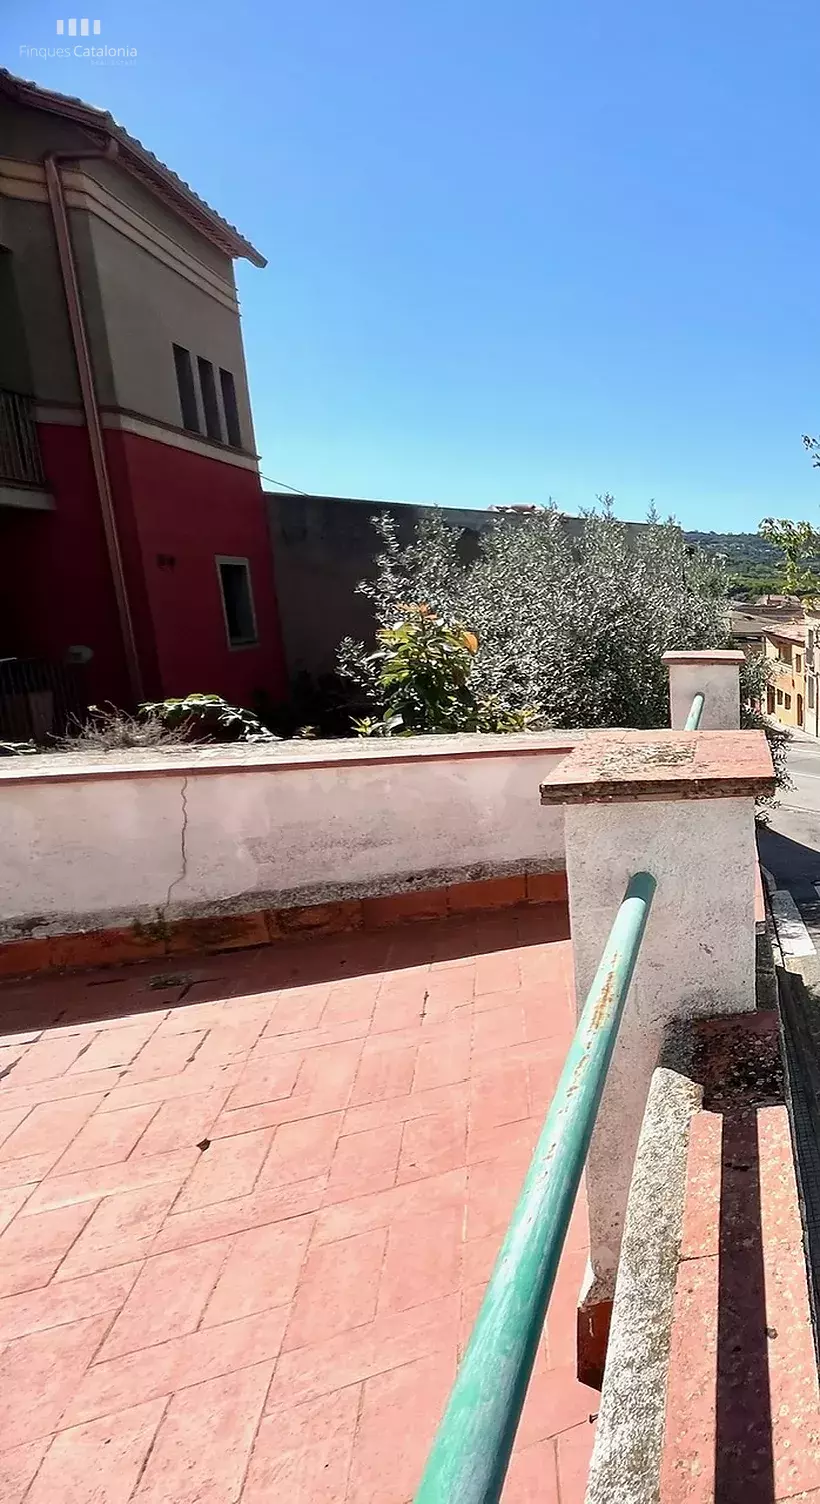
[570,631]
[573,628]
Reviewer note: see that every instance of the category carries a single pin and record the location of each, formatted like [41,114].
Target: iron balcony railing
[20,458]
[693,718]
[471,1451]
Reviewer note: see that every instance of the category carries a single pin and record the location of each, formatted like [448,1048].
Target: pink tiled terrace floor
[249,1205]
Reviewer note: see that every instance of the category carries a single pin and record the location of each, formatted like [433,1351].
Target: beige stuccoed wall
[147,308]
[697,959]
[94,846]
[720,686]
[136,305]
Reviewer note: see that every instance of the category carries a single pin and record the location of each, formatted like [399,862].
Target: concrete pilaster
[715,675]
[680,806]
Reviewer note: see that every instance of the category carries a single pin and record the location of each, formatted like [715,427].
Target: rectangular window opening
[788,702]
[187,389]
[210,406]
[811,691]
[230,408]
[237,601]
[780,697]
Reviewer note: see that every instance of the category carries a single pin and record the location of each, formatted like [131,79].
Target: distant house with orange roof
[784,646]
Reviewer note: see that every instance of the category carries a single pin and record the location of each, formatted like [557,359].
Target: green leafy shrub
[207,717]
[420,676]
[797,543]
[755,674]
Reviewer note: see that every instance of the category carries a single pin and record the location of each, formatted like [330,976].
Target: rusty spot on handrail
[605,998]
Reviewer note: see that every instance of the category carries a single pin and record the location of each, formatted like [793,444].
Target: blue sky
[514,251]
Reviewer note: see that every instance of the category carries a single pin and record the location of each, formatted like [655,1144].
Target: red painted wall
[56,581]
[188,508]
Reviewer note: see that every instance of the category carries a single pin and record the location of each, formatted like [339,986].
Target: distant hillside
[752,562]
[739,548]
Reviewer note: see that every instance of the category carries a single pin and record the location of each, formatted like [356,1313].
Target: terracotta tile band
[114,947]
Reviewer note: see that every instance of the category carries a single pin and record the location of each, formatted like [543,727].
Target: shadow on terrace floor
[787,860]
[744,1461]
[49,1001]
[743,1078]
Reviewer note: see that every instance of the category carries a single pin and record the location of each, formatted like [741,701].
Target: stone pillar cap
[706,655]
[629,765]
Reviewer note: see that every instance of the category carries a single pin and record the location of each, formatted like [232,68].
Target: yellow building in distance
[784,646]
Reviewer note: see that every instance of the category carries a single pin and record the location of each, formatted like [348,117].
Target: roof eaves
[138,160]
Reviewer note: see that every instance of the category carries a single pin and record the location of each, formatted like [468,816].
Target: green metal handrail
[471,1451]
[693,718]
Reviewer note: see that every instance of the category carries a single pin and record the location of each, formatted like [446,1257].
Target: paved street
[790,848]
[790,851]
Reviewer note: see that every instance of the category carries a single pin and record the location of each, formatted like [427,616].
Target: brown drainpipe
[85,371]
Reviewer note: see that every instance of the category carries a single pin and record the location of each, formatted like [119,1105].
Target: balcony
[22,478]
